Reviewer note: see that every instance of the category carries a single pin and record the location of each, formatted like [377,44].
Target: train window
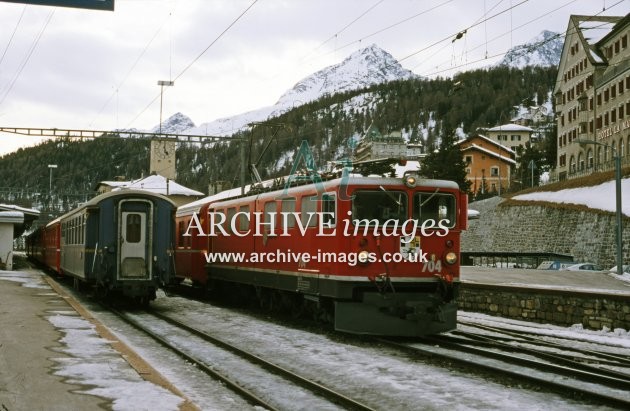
[270,214]
[73,232]
[329,209]
[134,228]
[288,206]
[308,211]
[436,207]
[181,240]
[231,212]
[243,219]
[84,228]
[377,207]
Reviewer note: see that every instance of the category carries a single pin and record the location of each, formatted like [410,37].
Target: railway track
[255,379]
[567,350]
[563,373]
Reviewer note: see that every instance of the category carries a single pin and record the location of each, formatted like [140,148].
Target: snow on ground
[382,377]
[92,362]
[601,197]
[614,338]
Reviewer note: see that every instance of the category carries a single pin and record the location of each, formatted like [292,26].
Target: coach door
[135,248]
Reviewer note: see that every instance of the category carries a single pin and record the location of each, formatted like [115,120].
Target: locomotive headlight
[450,258]
[410,181]
[363,257]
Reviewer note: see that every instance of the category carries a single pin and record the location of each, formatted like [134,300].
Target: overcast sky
[85,69]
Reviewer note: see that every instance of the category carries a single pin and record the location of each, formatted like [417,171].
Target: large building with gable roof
[592,95]
[489,164]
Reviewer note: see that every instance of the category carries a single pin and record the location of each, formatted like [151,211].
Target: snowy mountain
[175,124]
[543,50]
[363,68]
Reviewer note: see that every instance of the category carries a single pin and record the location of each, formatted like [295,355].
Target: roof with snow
[511,127]
[11,207]
[156,184]
[489,140]
[489,152]
[14,217]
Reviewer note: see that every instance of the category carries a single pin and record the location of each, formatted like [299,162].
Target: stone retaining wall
[587,235]
[565,308]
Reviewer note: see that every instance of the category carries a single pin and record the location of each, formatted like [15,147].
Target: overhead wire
[505,34]
[531,47]
[466,29]
[187,67]
[28,56]
[17,25]
[344,28]
[131,69]
[391,26]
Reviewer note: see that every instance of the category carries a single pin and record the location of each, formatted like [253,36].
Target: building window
[589,158]
[469,159]
[494,171]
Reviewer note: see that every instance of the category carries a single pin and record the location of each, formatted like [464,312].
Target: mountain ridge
[361,69]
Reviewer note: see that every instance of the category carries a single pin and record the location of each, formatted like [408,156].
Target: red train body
[44,245]
[382,254]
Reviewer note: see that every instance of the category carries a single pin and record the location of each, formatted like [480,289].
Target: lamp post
[619,230]
[163,83]
[50,167]
[499,174]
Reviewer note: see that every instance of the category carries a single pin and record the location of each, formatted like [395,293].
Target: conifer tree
[447,163]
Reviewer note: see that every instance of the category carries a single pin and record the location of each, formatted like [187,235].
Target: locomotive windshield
[376,207]
[436,207]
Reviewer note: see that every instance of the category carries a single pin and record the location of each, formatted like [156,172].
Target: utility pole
[50,167]
[163,83]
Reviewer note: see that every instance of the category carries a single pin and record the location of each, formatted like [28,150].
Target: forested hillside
[425,109]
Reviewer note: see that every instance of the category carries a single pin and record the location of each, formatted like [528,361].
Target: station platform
[578,281]
[55,356]
[28,341]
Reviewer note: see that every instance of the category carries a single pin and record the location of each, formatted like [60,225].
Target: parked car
[554,265]
[626,269]
[583,267]
[473,214]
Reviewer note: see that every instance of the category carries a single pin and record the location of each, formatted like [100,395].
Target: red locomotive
[376,255]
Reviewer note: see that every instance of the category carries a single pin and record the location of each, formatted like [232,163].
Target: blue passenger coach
[118,242]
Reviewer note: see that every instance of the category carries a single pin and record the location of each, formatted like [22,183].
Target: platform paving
[582,281]
[28,341]
[43,369]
